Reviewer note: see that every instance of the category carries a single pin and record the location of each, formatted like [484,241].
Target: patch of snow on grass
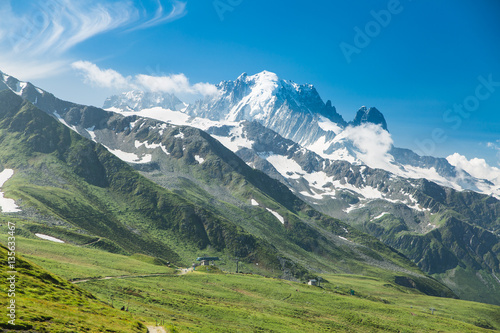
[49,238]
[5,175]
[344,238]
[7,205]
[379,216]
[146,159]
[277,215]
[254,202]
[130,157]
[199,159]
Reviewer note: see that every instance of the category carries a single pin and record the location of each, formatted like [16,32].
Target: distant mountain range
[256,163]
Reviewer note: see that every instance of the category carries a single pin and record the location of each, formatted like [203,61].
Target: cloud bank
[476,167]
[108,78]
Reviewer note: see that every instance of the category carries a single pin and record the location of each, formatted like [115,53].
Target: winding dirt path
[181,271]
[119,277]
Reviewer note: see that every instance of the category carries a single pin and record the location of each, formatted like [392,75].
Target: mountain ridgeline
[269,181]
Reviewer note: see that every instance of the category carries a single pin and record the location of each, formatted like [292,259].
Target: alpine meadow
[199,197]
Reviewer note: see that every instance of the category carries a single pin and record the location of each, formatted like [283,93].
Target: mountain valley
[264,175]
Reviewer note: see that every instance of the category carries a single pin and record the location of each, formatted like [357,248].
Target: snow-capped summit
[137,100]
[286,107]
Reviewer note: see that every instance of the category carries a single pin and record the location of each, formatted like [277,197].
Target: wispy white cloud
[39,35]
[108,78]
[58,25]
[177,11]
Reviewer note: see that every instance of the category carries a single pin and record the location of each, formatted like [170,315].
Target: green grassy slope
[462,255]
[211,302]
[215,301]
[46,303]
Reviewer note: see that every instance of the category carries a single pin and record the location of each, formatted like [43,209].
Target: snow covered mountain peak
[262,97]
[137,100]
[269,82]
[295,111]
[262,77]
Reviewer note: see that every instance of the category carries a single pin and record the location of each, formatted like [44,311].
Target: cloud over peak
[108,78]
[373,143]
[104,78]
[176,83]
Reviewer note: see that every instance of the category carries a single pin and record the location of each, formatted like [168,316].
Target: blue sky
[416,61]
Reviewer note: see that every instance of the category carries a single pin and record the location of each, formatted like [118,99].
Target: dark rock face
[371,115]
